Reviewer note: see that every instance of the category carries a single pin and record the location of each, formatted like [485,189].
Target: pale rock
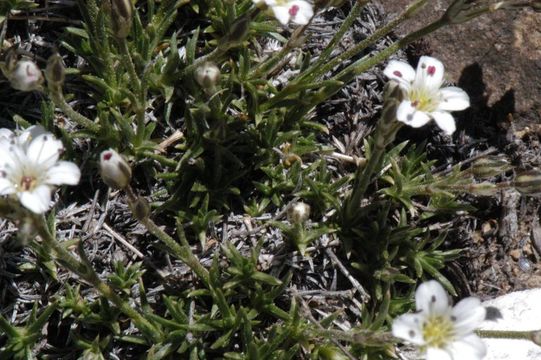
[520,311]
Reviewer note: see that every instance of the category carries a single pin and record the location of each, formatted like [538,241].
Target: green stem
[182,252]
[359,336]
[442,186]
[58,99]
[139,89]
[346,25]
[278,60]
[233,39]
[128,64]
[362,65]
[531,335]
[88,274]
[160,158]
[363,175]
[378,34]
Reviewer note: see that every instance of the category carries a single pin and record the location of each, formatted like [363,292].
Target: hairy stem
[181,251]
[87,273]
[378,34]
[58,99]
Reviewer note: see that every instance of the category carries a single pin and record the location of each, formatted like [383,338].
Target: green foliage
[21,340]
[8,6]
[249,145]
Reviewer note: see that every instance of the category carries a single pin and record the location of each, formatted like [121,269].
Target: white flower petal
[301,12]
[400,72]
[429,73]
[438,354]
[453,99]
[468,314]
[6,187]
[409,115]
[7,160]
[445,121]
[281,13]
[29,134]
[63,172]
[6,133]
[44,150]
[38,200]
[431,298]
[409,327]
[470,347]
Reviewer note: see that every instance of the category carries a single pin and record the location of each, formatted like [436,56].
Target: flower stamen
[438,331]
[27,183]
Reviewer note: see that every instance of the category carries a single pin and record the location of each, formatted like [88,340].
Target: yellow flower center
[423,99]
[438,331]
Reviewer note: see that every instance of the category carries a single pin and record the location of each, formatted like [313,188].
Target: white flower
[30,169]
[425,99]
[298,11]
[25,76]
[443,332]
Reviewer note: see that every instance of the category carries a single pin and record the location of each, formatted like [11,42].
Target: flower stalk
[56,95]
[385,133]
[531,335]
[346,25]
[181,251]
[325,67]
[86,272]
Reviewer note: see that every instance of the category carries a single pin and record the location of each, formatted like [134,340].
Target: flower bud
[55,72]
[392,90]
[328,352]
[208,76]
[528,183]
[25,76]
[114,169]
[122,16]
[298,213]
[237,33]
[483,189]
[490,166]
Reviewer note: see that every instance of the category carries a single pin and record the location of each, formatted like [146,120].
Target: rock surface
[502,49]
[521,310]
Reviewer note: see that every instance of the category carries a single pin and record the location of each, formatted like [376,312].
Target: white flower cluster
[425,97]
[30,168]
[443,332]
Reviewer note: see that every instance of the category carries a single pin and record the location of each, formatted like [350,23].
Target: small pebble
[515,254]
[524,264]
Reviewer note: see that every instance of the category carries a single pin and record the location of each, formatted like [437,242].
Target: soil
[497,60]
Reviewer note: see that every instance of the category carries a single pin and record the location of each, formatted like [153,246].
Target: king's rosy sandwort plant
[252,221]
